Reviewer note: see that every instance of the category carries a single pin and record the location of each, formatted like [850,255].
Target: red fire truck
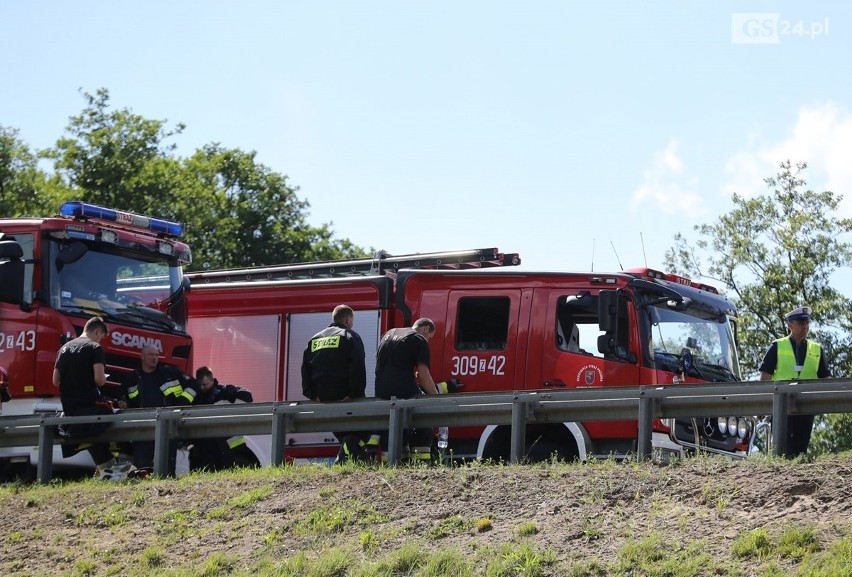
[55,273]
[497,330]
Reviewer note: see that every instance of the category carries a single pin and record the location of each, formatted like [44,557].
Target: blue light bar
[78,209]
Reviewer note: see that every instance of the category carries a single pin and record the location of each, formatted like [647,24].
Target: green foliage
[527,528]
[447,563]
[247,498]
[798,542]
[522,561]
[237,211]
[450,526]
[836,562]
[773,253]
[659,556]
[832,434]
[754,543]
[25,189]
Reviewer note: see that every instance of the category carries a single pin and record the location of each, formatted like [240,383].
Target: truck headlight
[732,426]
[742,428]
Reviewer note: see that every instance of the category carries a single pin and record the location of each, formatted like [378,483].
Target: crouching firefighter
[217,453]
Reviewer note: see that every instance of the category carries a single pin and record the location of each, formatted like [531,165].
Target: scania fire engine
[497,330]
[55,273]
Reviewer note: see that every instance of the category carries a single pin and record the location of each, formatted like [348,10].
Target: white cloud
[822,137]
[663,185]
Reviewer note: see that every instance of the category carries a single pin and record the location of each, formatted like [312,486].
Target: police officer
[333,369]
[795,357]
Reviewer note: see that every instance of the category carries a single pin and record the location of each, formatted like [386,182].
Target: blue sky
[554,129]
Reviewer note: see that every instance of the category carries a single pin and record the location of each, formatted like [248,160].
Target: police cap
[799,314]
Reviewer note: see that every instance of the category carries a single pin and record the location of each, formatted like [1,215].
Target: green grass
[334,532]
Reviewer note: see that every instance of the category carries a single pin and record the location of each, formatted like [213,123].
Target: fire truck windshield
[142,289]
[681,342]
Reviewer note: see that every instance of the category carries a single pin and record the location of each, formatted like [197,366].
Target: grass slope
[701,516]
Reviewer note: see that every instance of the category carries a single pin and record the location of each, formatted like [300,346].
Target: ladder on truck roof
[381,263]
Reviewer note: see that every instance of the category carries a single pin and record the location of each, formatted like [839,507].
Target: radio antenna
[593,255]
[642,239]
[616,255]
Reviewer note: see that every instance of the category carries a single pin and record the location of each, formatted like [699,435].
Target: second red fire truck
[498,329]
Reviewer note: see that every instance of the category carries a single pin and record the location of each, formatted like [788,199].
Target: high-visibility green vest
[785,368]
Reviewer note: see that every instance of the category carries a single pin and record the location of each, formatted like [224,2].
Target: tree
[773,253]
[237,211]
[25,189]
[115,157]
[252,216]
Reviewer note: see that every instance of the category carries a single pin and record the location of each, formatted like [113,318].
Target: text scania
[135,341]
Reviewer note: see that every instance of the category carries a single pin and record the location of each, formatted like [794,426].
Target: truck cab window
[577,324]
[483,323]
[13,266]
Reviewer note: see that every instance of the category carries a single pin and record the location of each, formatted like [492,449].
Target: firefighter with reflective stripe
[154,385]
[216,453]
[796,357]
[333,369]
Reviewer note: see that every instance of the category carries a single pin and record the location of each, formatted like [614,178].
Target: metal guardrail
[517,409]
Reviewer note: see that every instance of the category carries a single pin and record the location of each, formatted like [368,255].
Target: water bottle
[443,435]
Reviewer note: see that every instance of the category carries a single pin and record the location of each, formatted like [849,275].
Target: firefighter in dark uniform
[796,357]
[333,369]
[402,371]
[217,453]
[154,385]
[79,373]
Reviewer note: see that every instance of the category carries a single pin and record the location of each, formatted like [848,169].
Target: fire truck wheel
[497,447]
[23,472]
[547,451]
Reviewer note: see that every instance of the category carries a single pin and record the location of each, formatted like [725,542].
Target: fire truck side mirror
[614,320]
[11,272]
[608,311]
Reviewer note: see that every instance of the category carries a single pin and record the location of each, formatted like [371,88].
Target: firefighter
[79,373]
[217,453]
[402,371]
[154,385]
[796,357]
[333,369]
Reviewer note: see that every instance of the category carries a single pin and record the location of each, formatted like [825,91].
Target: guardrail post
[644,446]
[780,406]
[398,417]
[519,431]
[161,444]
[279,437]
[44,470]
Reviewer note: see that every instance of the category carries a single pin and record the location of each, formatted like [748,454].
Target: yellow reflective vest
[785,367]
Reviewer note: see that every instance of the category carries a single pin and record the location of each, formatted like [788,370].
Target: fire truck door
[19,352]
[484,340]
[569,345]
